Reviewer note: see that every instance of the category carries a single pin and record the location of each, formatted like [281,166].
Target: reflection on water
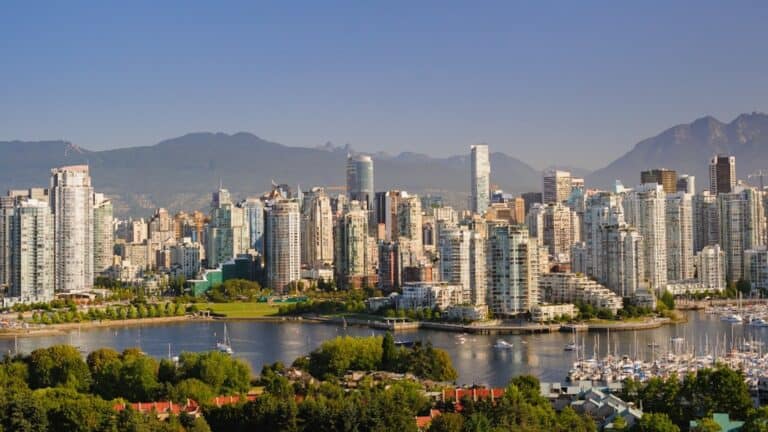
[476,360]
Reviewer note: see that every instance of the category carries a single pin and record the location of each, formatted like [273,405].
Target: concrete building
[32,252]
[480,178]
[317,230]
[679,229]
[462,262]
[185,258]
[103,233]
[360,181]
[722,174]
[409,221]
[622,260]
[161,229]
[352,257]
[645,209]
[667,178]
[513,270]
[686,183]
[549,312]
[254,218]
[228,233]
[603,209]
[429,295]
[282,249]
[556,186]
[756,267]
[706,223]
[742,227]
[71,196]
[6,214]
[573,288]
[558,231]
[710,268]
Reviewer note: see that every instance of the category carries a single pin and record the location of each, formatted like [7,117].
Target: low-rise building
[549,312]
[429,295]
[467,312]
[574,288]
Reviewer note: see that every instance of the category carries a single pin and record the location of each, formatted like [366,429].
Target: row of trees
[140,310]
[337,356]
[236,290]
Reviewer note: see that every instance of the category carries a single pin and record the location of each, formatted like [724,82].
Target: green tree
[59,365]
[448,422]
[389,355]
[707,424]
[656,422]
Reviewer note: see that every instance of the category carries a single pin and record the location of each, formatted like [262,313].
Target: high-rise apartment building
[480,178]
[512,268]
[282,244]
[710,268]
[686,183]
[463,262]
[6,214]
[161,228]
[32,252]
[742,227]
[679,228]
[557,186]
[352,257]
[722,174]
[645,209]
[706,225]
[665,177]
[360,180]
[602,210]
[409,221]
[558,231]
[227,234]
[103,233]
[317,229]
[71,196]
[254,218]
[622,260]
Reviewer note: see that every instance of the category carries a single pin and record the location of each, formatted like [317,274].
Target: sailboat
[225,345]
[571,346]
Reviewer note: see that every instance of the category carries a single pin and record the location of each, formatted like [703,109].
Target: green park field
[244,310]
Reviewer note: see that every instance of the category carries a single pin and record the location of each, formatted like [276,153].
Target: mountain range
[180,173]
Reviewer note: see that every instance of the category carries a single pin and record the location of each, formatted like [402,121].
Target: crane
[759,174]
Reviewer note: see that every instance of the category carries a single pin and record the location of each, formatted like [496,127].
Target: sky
[551,83]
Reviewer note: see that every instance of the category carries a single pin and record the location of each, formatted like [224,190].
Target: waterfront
[474,356]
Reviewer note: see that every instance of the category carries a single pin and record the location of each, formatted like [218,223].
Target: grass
[244,310]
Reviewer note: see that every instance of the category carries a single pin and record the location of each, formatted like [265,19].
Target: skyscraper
[227,234]
[481,178]
[103,233]
[254,217]
[513,270]
[6,213]
[686,183]
[665,177]
[462,262]
[317,229]
[679,228]
[706,225]
[722,174]
[282,244]
[410,225]
[557,186]
[32,248]
[742,227]
[644,208]
[71,197]
[352,257]
[360,180]
[622,260]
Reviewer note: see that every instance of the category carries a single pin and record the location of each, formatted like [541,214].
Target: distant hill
[180,173]
[687,148]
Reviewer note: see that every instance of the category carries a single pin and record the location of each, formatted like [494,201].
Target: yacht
[502,344]
[758,322]
[225,345]
[570,346]
[732,318]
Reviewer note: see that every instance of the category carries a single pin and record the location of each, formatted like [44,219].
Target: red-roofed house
[163,410]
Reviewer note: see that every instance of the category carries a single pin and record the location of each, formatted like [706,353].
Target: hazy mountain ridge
[688,148]
[180,173]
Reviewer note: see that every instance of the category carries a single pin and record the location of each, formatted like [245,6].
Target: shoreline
[64,328]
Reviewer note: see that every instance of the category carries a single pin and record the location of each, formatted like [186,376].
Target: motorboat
[571,346]
[732,318]
[758,322]
[502,344]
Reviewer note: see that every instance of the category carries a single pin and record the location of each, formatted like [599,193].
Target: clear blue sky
[549,82]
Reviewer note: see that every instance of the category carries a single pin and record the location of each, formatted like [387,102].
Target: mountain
[687,148]
[180,173]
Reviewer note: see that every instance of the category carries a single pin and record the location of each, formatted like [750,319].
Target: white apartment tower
[742,227]
[71,196]
[645,209]
[622,260]
[353,258]
[410,225]
[679,227]
[282,245]
[317,229]
[557,186]
[706,225]
[32,252]
[481,178]
[513,270]
[710,268]
[103,233]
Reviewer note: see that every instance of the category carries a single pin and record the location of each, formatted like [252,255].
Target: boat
[732,318]
[571,346]
[758,322]
[225,345]
[502,344]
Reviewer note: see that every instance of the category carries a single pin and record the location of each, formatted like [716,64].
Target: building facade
[481,178]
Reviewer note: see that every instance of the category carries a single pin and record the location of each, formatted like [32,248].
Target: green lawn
[244,310]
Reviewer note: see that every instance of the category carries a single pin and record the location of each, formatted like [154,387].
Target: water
[476,360]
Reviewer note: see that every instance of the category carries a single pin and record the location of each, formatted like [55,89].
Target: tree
[707,424]
[59,365]
[388,353]
[448,422]
[744,287]
[656,422]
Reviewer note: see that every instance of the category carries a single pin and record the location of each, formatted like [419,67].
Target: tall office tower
[103,233]
[558,231]
[161,229]
[557,186]
[679,227]
[32,249]
[410,226]
[665,177]
[6,213]
[742,227]
[352,257]
[72,203]
[227,234]
[481,178]
[254,218]
[622,258]
[686,183]
[602,209]
[317,229]
[644,208]
[282,246]
[513,270]
[360,181]
[710,268]
[722,174]
[531,198]
[706,225]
